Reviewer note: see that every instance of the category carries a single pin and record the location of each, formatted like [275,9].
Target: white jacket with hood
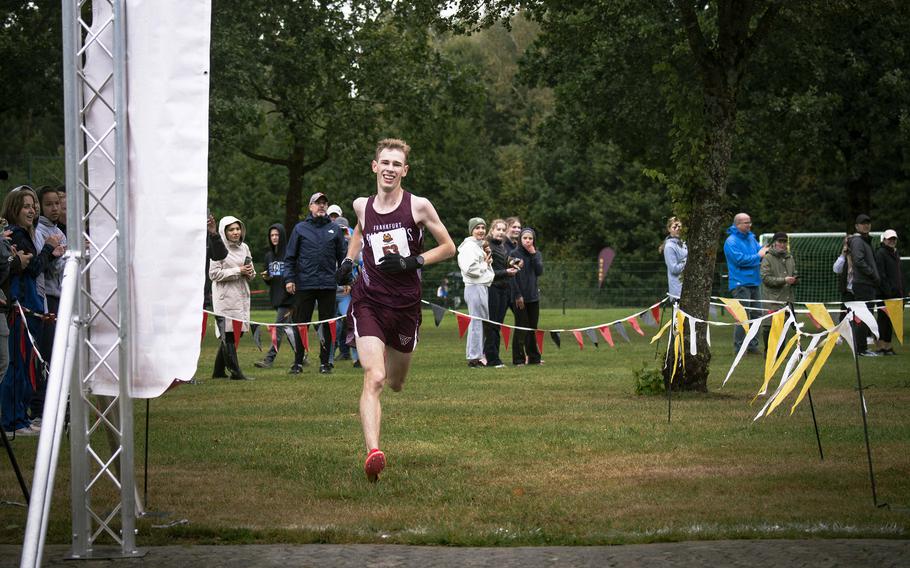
[473,264]
[231,290]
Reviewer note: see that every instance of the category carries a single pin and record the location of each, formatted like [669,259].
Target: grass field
[564,453]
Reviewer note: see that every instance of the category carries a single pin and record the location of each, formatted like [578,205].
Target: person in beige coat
[231,294]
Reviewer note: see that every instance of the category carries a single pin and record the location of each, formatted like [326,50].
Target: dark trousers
[524,344]
[46,348]
[498,302]
[885,330]
[305,302]
[862,293]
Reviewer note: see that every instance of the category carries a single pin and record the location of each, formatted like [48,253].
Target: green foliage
[649,381]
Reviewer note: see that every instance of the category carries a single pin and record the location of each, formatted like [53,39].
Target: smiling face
[514,230]
[390,167]
[28,212]
[498,231]
[479,232]
[233,232]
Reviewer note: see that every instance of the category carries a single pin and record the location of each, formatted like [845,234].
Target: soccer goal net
[815,254]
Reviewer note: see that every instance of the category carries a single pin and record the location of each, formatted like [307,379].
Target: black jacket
[888,262]
[865,271]
[315,249]
[524,284]
[274,268]
[500,264]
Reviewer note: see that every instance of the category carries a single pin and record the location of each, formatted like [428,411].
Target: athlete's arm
[425,214]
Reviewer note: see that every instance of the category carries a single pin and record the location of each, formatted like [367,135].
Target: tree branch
[266,159]
[693,32]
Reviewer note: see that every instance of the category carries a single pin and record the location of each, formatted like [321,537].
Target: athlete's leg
[372,352]
[397,365]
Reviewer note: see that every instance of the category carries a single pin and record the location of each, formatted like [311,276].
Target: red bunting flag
[506,332]
[304,337]
[605,331]
[205,321]
[237,326]
[655,311]
[273,331]
[578,338]
[539,334]
[463,323]
[633,321]
[333,329]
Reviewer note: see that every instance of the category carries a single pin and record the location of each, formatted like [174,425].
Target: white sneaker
[36,423]
[26,432]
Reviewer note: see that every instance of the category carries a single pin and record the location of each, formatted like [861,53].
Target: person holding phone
[778,278]
[231,295]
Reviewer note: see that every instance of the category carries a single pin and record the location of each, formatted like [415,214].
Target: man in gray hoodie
[866,280]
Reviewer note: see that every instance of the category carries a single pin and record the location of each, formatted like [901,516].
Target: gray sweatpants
[477,297]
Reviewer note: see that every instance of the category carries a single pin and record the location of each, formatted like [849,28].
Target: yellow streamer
[678,344]
[819,363]
[791,384]
[739,313]
[777,326]
[662,331]
[896,315]
[783,355]
[821,315]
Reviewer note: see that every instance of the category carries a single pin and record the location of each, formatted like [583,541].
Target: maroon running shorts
[396,327]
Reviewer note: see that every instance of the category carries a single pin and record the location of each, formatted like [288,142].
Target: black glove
[395,263]
[343,274]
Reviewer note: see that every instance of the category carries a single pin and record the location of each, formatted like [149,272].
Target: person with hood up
[281,301]
[231,295]
[314,251]
[675,254]
[474,260]
[778,278]
[888,263]
[526,296]
[744,256]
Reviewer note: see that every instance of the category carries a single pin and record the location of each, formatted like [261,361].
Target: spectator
[675,253]
[474,261]
[20,207]
[513,231]
[282,302]
[866,279]
[231,294]
[526,296]
[7,258]
[214,250]
[843,267]
[49,283]
[61,221]
[334,212]
[315,249]
[778,278]
[888,263]
[744,256]
[500,292]
[442,292]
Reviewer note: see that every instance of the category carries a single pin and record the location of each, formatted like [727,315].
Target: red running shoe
[374,464]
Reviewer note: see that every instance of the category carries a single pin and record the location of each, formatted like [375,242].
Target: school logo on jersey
[404,339]
[394,241]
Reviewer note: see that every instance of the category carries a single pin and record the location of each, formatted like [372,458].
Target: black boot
[233,364]
[218,372]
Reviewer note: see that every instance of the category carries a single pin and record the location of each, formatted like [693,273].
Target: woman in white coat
[231,294]
[474,260]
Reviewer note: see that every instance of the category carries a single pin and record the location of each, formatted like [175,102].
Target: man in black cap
[314,251]
[866,280]
[778,278]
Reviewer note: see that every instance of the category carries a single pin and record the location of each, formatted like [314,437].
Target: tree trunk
[293,203]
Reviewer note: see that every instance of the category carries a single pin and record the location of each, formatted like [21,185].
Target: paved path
[724,553]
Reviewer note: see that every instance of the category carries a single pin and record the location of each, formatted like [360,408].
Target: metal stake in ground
[15,464]
[862,409]
[818,439]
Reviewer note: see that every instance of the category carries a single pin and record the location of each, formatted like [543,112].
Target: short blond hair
[393,144]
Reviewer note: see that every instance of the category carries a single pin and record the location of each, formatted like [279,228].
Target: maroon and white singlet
[393,232]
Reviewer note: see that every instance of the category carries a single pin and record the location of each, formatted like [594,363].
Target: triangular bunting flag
[895,311]
[506,332]
[592,335]
[819,363]
[333,329]
[648,319]
[737,311]
[237,326]
[605,331]
[303,330]
[633,321]
[538,334]
[273,333]
[578,338]
[438,313]
[554,335]
[205,325]
[463,323]
[289,333]
[861,310]
[820,316]
[655,315]
[621,330]
[254,327]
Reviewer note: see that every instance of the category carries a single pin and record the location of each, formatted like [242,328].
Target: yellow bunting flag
[821,315]
[895,310]
[775,367]
[819,363]
[737,311]
[777,326]
[793,380]
[660,333]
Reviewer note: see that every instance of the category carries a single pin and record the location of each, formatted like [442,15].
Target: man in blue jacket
[315,249]
[744,254]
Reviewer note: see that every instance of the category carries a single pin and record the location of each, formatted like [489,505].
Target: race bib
[389,242]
